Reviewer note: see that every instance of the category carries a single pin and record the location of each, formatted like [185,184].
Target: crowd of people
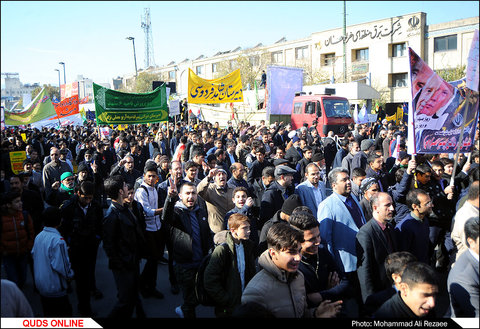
[295,225]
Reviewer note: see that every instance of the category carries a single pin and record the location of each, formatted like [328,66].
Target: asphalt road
[154,308]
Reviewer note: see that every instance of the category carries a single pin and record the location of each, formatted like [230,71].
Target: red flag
[67,106]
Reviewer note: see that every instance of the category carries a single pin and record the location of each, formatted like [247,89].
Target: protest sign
[440,111]
[472,64]
[115,107]
[222,90]
[174,107]
[67,106]
[16,161]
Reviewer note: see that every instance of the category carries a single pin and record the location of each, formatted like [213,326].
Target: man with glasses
[413,231]
[53,170]
[126,169]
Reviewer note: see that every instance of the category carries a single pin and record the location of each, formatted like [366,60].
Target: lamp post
[134,56]
[64,75]
[59,90]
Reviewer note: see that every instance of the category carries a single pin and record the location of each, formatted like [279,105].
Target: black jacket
[372,248]
[79,228]
[123,238]
[180,229]
[273,199]
[395,308]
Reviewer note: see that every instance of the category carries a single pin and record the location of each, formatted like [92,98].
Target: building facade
[374,52]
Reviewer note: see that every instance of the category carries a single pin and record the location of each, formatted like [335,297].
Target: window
[329,59]
[301,53]
[277,57]
[171,75]
[297,108]
[254,60]
[445,43]
[199,70]
[361,54]
[310,108]
[336,108]
[399,50]
[214,67]
[399,80]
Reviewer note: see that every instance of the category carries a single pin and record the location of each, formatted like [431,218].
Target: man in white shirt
[147,196]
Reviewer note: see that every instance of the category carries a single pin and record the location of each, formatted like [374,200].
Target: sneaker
[179,311]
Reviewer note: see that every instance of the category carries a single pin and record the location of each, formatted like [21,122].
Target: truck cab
[330,112]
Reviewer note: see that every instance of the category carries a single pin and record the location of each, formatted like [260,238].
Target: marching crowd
[292,224]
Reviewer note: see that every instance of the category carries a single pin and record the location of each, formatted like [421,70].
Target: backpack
[200,292]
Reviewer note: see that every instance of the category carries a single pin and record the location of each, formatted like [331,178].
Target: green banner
[115,107]
[41,108]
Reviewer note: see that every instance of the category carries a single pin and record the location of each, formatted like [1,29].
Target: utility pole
[344,41]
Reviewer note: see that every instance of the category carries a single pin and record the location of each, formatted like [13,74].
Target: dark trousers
[56,307]
[83,264]
[168,244]
[16,268]
[439,239]
[186,281]
[127,282]
[156,247]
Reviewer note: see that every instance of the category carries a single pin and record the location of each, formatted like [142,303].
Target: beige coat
[458,233]
[218,201]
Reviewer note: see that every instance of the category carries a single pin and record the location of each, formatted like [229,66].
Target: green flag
[40,108]
[115,107]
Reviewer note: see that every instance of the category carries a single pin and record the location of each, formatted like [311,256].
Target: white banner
[472,64]
[174,108]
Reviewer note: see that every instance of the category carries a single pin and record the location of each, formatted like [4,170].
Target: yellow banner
[16,161]
[227,89]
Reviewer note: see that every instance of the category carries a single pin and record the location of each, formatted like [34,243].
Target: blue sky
[89,36]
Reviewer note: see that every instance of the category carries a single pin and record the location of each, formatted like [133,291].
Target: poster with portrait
[439,111]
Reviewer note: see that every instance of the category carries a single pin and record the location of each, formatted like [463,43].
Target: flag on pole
[355,114]
[396,151]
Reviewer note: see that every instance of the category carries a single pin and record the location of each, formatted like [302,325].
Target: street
[154,308]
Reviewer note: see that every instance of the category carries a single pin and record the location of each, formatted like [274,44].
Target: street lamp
[134,56]
[64,75]
[59,91]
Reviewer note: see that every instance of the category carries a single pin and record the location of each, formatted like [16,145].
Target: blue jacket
[51,264]
[306,194]
[338,231]
[413,236]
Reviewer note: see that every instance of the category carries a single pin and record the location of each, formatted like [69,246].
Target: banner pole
[460,140]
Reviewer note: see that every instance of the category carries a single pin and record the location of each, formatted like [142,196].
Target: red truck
[330,112]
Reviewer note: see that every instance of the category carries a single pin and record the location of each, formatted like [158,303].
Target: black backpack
[200,292]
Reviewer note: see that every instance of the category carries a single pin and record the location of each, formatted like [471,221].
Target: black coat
[293,156]
[395,308]
[372,249]
[123,239]
[272,200]
[79,228]
[180,230]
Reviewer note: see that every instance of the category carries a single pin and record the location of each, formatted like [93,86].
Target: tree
[251,62]
[144,82]
[51,91]
[452,74]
